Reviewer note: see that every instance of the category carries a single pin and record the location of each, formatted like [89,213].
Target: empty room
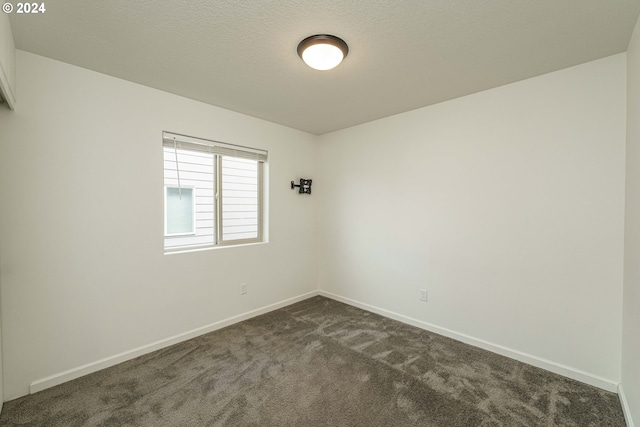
[335,213]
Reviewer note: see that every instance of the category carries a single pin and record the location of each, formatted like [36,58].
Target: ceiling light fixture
[323,51]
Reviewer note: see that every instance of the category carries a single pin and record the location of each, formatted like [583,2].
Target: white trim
[548,365]
[89,368]
[538,362]
[625,406]
[6,90]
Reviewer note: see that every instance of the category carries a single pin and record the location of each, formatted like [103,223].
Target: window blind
[184,142]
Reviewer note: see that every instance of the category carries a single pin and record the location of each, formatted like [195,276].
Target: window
[213,193]
[179,211]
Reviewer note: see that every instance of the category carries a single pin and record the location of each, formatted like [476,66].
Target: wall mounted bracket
[305,186]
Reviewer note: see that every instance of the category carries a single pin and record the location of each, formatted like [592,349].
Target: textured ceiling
[241,54]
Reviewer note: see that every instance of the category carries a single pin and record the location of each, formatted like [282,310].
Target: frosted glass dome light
[322,52]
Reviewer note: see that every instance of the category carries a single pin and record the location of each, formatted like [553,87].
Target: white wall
[631,322]
[506,205]
[81,183]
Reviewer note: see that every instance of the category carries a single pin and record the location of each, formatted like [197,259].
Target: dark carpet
[319,363]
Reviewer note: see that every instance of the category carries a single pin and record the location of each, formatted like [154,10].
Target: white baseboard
[89,368]
[566,371]
[538,362]
[625,406]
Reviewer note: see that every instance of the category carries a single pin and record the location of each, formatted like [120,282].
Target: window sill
[209,248]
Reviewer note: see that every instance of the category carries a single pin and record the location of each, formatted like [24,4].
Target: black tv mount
[305,186]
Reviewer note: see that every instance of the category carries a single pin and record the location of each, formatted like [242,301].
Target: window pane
[240,199]
[196,171]
[179,210]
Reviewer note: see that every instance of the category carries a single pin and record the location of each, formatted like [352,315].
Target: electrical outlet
[423,295]
[243,288]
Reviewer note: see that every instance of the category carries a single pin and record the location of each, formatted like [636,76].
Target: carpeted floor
[319,363]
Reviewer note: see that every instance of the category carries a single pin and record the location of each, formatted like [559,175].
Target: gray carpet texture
[319,363]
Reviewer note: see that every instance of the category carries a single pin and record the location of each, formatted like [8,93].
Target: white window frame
[219,151]
[193,201]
